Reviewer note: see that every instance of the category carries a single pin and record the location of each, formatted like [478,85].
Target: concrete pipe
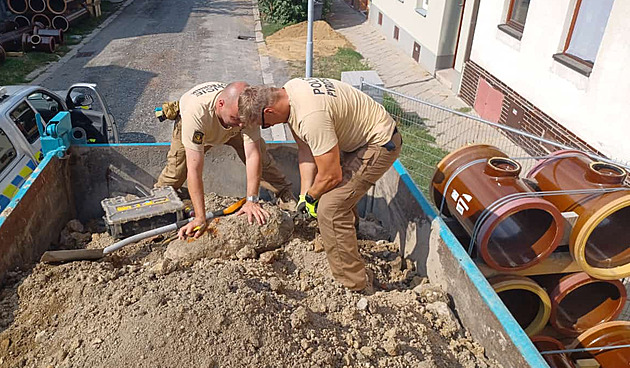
[579,301]
[57,34]
[12,41]
[525,299]
[18,6]
[22,21]
[599,239]
[37,6]
[470,184]
[41,18]
[604,335]
[60,22]
[56,7]
[546,343]
[46,44]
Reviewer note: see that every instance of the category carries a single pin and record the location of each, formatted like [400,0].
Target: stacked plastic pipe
[514,221]
[38,24]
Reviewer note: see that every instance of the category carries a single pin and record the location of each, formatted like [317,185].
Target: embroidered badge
[197,137]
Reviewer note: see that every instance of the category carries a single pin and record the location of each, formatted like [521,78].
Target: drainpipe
[309,41]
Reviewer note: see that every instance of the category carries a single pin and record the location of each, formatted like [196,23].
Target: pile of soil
[262,308]
[289,43]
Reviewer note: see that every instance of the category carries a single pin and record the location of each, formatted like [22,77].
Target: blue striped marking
[31,164]
[17,181]
[511,327]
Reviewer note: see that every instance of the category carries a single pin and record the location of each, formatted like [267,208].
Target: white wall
[424,29]
[596,108]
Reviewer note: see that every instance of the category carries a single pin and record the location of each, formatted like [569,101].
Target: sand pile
[290,43]
[275,308]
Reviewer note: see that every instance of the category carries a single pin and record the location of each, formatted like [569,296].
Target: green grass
[464,110]
[15,69]
[331,66]
[420,153]
[270,28]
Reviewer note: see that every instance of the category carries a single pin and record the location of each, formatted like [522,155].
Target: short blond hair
[253,100]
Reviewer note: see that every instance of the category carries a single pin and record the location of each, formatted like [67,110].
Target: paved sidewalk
[397,70]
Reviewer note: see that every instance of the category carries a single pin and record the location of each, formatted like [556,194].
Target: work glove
[307,206]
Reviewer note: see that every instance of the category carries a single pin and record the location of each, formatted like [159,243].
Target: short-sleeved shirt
[325,112]
[200,122]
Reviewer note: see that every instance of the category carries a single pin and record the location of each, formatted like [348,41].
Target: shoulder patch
[197,137]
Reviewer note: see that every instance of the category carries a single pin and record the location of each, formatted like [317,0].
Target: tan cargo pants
[336,212]
[175,172]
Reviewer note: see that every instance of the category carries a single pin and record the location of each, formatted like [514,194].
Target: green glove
[307,205]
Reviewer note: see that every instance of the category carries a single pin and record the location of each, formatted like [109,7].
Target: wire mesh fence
[430,132]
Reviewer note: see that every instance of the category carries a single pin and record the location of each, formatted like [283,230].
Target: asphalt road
[156,50]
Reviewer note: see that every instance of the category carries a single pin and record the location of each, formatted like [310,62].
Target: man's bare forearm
[253,167]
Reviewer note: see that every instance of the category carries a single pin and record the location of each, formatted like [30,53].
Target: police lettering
[208,88]
[321,86]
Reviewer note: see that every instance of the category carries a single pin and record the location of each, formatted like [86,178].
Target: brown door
[380,18]
[416,51]
[396,32]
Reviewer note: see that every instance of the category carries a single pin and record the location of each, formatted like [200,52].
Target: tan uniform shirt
[325,112]
[200,122]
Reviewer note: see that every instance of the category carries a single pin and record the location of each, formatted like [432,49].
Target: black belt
[390,146]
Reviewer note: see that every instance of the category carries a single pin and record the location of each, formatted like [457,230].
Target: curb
[39,75]
[277,131]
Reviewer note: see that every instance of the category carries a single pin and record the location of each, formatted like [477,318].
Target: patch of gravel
[273,308]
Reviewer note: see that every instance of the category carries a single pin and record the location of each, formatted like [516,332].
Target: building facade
[426,30]
[554,68]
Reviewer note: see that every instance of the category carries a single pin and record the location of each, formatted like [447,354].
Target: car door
[89,110]
[15,167]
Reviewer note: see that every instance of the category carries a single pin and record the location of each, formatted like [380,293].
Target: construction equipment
[62,256]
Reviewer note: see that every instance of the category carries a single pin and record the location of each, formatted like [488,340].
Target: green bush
[288,11]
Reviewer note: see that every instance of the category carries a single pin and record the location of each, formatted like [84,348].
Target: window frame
[396,33]
[422,7]
[571,61]
[9,165]
[511,27]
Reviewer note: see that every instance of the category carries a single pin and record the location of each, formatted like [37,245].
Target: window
[422,7]
[45,104]
[515,22]
[585,35]
[396,32]
[380,18]
[7,151]
[24,117]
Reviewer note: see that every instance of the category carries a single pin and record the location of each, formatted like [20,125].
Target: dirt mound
[290,43]
[278,309]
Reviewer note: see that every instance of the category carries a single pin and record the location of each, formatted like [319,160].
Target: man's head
[262,105]
[227,104]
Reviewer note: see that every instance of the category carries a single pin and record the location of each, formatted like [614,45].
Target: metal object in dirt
[579,301]
[514,234]
[125,217]
[558,360]
[599,239]
[527,301]
[604,335]
[61,256]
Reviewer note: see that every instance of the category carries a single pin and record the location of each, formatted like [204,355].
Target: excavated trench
[241,295]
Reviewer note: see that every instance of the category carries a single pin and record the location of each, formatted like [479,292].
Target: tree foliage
[288,11]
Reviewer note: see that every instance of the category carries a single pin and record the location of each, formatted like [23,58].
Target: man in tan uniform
[208,117]
[332,122]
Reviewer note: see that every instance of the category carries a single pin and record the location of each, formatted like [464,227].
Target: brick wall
[521,114]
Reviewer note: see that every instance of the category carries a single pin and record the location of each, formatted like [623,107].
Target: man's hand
[188,230]
[254,210]
[307,208]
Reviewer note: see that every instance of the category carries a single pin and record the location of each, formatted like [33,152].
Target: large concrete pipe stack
[514,225]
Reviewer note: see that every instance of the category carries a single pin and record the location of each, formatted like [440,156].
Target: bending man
[332,122]
[208,117]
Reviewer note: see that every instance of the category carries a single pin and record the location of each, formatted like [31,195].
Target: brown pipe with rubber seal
[599,239]
[607,334]
[579,301]
[558,360]
[471,184]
